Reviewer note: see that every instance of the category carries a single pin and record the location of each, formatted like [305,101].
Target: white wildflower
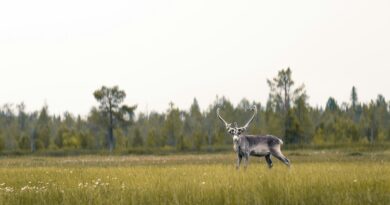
[9,189]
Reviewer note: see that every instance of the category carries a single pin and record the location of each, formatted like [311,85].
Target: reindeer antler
[242,129]
[220,117]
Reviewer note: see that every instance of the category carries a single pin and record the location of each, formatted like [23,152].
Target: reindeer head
[234,130]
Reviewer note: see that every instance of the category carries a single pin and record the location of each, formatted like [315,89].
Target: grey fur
[259,146]
[254,145]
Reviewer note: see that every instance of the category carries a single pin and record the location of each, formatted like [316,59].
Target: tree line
[113,125]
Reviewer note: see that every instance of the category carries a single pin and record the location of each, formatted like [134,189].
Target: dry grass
[314,178]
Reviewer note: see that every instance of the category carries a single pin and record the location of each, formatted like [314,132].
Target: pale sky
[158,51]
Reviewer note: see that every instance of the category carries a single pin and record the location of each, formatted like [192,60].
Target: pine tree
[110,100]
[281,95]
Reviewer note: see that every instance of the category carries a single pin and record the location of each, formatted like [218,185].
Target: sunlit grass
[184,180]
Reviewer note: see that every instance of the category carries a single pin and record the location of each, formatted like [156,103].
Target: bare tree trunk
[110,138]
[111,130]
[32,145]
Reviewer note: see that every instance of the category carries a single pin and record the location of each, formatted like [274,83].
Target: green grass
[316,177]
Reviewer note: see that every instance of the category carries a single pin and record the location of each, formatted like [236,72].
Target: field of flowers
[314,178]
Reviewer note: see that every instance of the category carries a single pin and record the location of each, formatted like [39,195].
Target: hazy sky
[158,51]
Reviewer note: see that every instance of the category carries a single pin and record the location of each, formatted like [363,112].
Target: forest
[113,126]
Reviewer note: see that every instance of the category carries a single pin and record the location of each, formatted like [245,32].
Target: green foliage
[67,138]
[86,140]
[294,132]
[24,142]
[318,138]
[2,144]
[302,113]
[354,98]
[173,126]
[181,143]
[273,120]
[198,140]
[286,114]
[151,140]
[137,140]
[112,110]
[331,105]
[282,92]
[59,140]
[71,140]
[42,131]
[121,139]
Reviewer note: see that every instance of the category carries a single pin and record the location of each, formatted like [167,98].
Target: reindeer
[253,145]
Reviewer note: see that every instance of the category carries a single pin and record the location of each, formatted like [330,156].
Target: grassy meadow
[316,177]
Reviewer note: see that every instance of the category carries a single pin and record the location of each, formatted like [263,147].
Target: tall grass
[341,182]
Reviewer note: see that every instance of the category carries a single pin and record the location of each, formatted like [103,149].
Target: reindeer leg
[246,161]
[280,156]
[269,161]
[239,158]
